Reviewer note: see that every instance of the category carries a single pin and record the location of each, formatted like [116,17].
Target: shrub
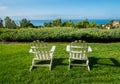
[60,34]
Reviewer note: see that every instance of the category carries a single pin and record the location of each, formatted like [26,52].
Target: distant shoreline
[41,22]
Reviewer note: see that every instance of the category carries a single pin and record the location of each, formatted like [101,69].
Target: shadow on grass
[93,62]
[103,61]
[58,62]
[45,63]
[116,63]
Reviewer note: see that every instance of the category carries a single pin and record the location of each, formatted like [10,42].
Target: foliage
[85,23]
[1,23]
[57,22]
[79,25]
[54,23]
[48,24]
[92,24]
[24,23]
[68,24]
[10,23]
[16,61]
[60,34]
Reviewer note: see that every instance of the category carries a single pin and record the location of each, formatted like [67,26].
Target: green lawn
[15,61]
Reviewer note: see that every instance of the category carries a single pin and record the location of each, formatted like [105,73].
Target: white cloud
[3,8]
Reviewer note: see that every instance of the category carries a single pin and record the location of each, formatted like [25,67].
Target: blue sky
[65,9]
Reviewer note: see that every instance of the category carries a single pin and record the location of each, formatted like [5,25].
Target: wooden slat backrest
[79,50]
[41,50]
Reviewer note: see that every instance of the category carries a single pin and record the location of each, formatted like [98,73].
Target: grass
[15,62]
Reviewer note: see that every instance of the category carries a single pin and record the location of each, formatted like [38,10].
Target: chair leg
[50,65]
[88,68]
[87,62]
[30,68]
[69,64]
[31,65]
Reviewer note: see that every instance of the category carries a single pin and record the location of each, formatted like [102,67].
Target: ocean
[41,22]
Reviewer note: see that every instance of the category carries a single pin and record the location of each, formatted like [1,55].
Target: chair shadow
[58,61]
[116,63]
[94,61]
[41,63]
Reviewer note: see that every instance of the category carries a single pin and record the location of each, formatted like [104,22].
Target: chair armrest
[31,51]
[53,49]
[68,48]
[89,49]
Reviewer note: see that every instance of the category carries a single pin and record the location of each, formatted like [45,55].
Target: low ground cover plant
[60,34]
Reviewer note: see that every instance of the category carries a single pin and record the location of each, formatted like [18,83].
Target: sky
[64,9]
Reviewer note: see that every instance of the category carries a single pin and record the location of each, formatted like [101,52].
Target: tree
[68,24]
[9,23]
[24,23]
[48,24]
[85,23]
[79,25]
[1,23]
[92,24]
[111,23]
[57,22]
[13,24]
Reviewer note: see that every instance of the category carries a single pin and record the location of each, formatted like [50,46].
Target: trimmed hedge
[60,34]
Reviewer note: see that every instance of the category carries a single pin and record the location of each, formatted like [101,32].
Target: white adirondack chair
[41,53]
[78,51]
